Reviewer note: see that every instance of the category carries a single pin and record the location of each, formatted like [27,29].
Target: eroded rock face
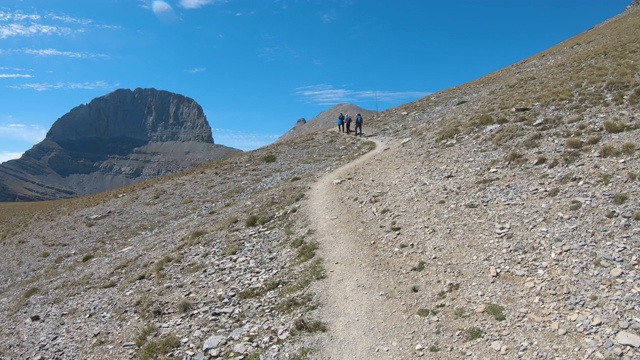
[132,117]
[115,140]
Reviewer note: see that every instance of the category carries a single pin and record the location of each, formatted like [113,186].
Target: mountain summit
[117,139]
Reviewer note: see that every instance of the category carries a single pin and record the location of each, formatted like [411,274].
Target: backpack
[359,120]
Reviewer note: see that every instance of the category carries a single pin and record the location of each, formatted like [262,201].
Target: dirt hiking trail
[355,307]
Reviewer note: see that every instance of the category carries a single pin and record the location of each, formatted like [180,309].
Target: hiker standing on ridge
[359,122]
[348,124]
[341,123]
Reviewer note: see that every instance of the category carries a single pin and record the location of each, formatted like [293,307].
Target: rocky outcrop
[325,120]
[115,140]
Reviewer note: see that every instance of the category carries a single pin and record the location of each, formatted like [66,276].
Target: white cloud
[164,12]
[242,140]
[18,16]
[195,4]
[197,70]
[87,85]
[6,156]
[15,76]
[161,7]
[7,31]
[69,19]
[28,133]
[323,94]
[54,52]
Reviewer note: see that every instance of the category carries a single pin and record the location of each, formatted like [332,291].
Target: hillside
[325,120]
[498,219]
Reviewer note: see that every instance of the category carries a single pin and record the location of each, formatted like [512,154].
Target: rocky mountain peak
[123,137]
[143,115]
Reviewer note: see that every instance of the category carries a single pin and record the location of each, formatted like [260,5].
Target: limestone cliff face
[142,115]
[115,140]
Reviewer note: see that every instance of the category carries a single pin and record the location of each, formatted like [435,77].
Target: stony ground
[500,219]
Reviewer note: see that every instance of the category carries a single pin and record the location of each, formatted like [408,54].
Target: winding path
[354,306]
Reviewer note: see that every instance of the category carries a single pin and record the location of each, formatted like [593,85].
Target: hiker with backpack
[348,124]
[359,122]
[341,123]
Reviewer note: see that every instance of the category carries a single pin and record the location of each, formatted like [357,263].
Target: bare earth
[351,294]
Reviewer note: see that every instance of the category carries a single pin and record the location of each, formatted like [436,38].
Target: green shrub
[184,306]
[573,143]
[29,293]
[419,267]
[251,221]
[474,333]
[628,148]
[513,156]
[45,254]
[614,126]
[232,248]
[609,151]
[307,251]
[309,326]
[593,139]
[447,133]
[87,257]
[620,198]
[496,311]
[157,349]
[424,312]
[269,158]
[142,337]
[554,192]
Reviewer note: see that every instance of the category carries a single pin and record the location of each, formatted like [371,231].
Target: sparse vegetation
[614,126]
[573,143]
[419,267]
[474,333]
[232,248]
[620,198]
[29,293]
[609,150]
[307,251]
[496,311]
[156,349]
[310,326]
[628,148]
[87,257]
[142,337]
[269,158]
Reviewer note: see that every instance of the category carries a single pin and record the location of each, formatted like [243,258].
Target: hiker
[348,124]
[359,122]
[341,123]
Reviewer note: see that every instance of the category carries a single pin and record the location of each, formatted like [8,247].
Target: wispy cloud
[242,140]
[54,52]
[87,85]
[329,17]
[195,4]
[15,24]
[15,76]
[11,30]
[69,19]
[196,70]
[323,94]
[23,132]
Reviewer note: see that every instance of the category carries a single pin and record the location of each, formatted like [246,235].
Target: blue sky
[258,66]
